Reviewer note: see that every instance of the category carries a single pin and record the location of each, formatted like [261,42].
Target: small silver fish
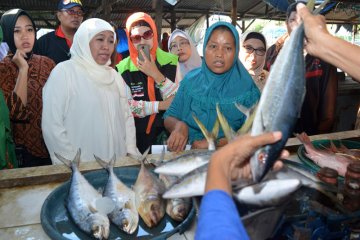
[176,208]
[124,215]
[149,203]
[86,206]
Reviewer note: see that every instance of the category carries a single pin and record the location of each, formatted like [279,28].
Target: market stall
[23,191]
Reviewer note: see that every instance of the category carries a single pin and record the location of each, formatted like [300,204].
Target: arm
[178,134]
[56,98]
[145,108]
[331,49]
[218,216]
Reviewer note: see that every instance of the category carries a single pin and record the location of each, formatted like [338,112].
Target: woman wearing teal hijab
[222,79]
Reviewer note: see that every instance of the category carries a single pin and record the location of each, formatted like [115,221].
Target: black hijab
[7,22]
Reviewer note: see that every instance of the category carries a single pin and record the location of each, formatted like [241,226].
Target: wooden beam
[158,7]
[234,12]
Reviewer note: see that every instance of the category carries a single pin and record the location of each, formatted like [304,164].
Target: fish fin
[246,127]
[69,163]
[244,110]
[208,136]
[320,7]
[141,158]
[105,164]
[104,205]
[228,131]
[310,4]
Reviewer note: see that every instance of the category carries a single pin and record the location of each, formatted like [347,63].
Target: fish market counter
[23,191]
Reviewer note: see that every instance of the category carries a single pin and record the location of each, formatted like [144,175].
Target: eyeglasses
[73,12]
[258,51]
[146,36]
[177,46]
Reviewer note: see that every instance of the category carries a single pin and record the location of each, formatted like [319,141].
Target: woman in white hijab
[181,44]
[252,55]
[84,100]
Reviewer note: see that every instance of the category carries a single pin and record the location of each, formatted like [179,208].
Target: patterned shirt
[26,120]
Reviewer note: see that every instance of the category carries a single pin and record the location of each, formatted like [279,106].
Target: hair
[139,24]
[256,35]
[292,8]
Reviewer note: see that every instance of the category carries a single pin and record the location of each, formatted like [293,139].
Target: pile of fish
[91,210]
[332,157]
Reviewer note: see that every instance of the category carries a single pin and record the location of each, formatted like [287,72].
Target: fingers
[302,10]
[264,139]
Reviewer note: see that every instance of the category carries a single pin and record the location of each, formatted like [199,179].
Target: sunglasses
[73,12]
[146,36]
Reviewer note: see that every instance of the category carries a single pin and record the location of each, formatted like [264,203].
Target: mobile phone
[146,50]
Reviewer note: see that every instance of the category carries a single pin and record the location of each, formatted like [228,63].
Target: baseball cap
[66,4]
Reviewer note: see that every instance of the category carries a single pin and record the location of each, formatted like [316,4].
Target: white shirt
[81,113]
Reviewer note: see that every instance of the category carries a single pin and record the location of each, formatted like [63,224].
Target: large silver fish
[149,203]
[86,206]
[176,208]
[124,215]
[280,103]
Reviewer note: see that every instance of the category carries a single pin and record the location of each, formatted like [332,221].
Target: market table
[23,191]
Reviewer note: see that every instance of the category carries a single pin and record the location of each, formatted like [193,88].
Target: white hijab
[81,53]
[194,60]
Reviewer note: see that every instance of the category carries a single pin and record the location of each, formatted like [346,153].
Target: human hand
[315,28]
[149,67]
[178,137]
[19,60]
[232,162]
[164,105]
[200,144]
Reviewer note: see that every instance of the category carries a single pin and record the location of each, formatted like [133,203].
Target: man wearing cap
[318,110]
[56,45]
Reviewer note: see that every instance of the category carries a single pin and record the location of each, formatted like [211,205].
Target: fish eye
[262,156]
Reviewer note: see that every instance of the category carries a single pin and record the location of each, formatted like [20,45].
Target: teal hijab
[202,89]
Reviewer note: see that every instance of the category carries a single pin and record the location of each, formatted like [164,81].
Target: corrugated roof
[186,12]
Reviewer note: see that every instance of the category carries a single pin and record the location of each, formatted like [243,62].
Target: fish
[267,193]
[190,185]
[185,163]
[280,102]
[176,208]
[324,158]
[148,191]
[85,204]
[124,215]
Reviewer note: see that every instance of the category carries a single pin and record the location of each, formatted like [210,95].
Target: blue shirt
[219,218]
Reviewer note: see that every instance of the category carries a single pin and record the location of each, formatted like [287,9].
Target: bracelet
[161,83]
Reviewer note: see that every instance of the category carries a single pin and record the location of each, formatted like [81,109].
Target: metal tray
[58,224]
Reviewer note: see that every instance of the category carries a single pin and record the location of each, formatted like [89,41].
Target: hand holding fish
[232,161]
[320,43]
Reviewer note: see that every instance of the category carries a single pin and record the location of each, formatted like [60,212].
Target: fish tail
[250,116]
[69,163]
[228,131]
[210,138]
[107,165]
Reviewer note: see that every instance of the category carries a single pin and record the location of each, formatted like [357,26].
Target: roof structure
[181,15]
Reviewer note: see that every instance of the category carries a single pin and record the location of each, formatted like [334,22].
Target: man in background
[56,44]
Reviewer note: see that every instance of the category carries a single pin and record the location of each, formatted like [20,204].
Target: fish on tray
[87,207]
[324,158]
[149,203]
[176,208]
[124,215]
